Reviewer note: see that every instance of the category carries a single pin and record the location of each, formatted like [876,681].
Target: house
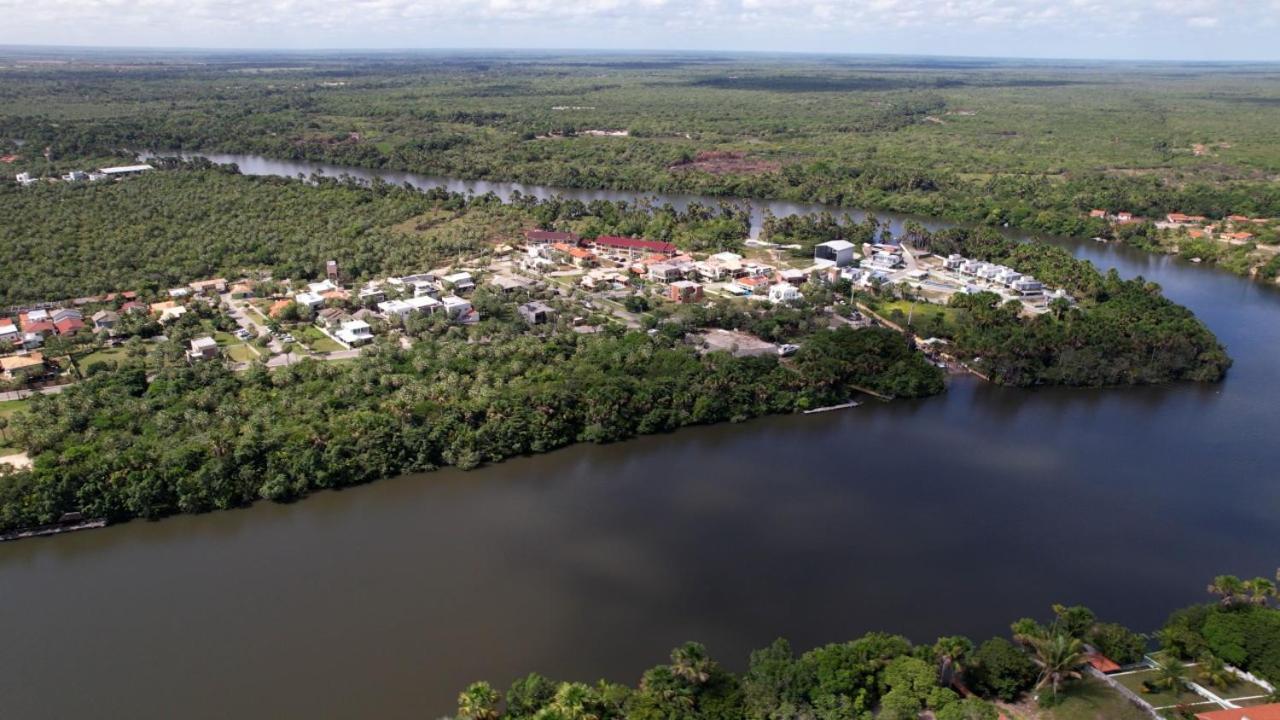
[241,291]
[1269,711]
[664,272]
[355,332]
[168,310]
[1178,218]
[331,270]
[573,255]
[331,317]
[536,313]
[69,326]
[455,307]
[547,237]
[309,299]
[133,306]
[9,333]
[404,308]
[24,179]
[203,348]
[36,321]
[795,277]
[632,247]
[76,176]
[953,262]
[1124,217]
[508,283]
[1098,214]
[833,252]
[783,292]
[208,287]
[179,292]
[125,170]
[322,287]
[22,367]
[754,284]
[371,292]
[459,282]
[685,291]
[105,320]
[1028,287]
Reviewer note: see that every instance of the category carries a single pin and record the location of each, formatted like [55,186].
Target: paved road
[21,394]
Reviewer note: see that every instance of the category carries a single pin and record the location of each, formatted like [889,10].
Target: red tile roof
[1102,663]
[1257,712]
[66,327]
[636,244]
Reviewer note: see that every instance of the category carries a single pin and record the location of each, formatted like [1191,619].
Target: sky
[1121,29]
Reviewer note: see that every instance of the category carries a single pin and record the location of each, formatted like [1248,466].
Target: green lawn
[225,338]
[10,407]
[1238,689]
[241,353]
[1091,699]
[1160,698]
[922,312]
[316,340]
[108,355]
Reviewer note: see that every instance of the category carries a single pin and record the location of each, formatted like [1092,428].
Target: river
[955,514]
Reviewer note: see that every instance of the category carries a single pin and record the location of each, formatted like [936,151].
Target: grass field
[317,341]
[923,316]
[241,353]
[1092,700]
[108,355]
[1161,698]
[9,408]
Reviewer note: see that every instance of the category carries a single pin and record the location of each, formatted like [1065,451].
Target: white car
[787,350]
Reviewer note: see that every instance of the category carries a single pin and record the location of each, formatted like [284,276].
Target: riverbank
[779,204]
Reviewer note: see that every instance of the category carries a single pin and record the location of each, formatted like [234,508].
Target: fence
[1128,694]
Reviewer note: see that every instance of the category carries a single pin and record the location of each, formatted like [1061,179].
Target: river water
[956,514]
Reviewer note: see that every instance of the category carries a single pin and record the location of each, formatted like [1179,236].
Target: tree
[1001,670]
[690,661]
[1172,675]
[953,654]
[1228,588]
[1260,590]
[1059,658]
[1212,670]
[478,702]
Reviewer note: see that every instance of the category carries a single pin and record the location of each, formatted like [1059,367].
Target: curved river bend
[956,514]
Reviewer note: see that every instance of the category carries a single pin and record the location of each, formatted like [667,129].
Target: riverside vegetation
[886,677]
[134,441]
[1033,145]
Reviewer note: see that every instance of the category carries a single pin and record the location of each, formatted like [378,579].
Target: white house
[783,292]
[355,332]
[455,306]
[459,281]
[833,252]
[320,288]
[24,179]
[404,308]
[309,299]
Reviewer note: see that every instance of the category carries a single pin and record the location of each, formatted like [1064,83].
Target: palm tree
[1227,587]
[1172,675]
[690,661]
[1260,590]
[1059,658]
[1213,671]
[952,654]
[478,702]
[573,701]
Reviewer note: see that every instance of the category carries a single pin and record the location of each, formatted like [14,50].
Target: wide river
[956,514]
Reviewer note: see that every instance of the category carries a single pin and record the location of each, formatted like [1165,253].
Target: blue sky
[1139,29]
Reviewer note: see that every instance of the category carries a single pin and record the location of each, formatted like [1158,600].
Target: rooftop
[1257,712]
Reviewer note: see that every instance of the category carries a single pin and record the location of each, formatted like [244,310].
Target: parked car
[787,350]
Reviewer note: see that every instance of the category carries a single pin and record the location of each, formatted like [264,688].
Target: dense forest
[198,438]
[196,220]
[1029,145]
[887,677]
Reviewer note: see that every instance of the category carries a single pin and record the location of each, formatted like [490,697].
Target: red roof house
[69,326]
[613,242]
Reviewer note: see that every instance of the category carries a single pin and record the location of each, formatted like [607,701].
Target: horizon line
[616,51]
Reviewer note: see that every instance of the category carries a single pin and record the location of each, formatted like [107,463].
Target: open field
[1160,698]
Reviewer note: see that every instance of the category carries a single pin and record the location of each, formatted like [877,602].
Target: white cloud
[1065,27]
